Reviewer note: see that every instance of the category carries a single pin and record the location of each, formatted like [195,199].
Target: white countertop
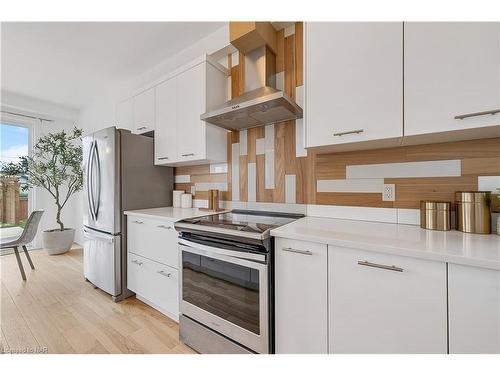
[169,213]
[406,240]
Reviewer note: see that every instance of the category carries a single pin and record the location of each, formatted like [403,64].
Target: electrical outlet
[389,193]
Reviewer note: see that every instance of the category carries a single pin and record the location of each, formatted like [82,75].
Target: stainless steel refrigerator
[119,175]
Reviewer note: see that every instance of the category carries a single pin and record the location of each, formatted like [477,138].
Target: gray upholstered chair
[26,237]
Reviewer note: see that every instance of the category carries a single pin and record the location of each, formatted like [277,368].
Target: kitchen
[301,188]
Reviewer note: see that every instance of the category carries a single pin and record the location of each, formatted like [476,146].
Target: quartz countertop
[169,213]
[398,239]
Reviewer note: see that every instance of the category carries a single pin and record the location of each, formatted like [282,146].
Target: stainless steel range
[227,281]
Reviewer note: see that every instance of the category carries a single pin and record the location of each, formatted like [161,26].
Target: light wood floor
[58,310]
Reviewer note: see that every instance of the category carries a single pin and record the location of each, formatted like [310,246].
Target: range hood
[261,103]
[265,105]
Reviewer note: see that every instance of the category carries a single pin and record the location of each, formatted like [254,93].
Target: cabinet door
[156,284]
[354,82]
[190,105]
[451,69]
[381,303]
[301,297]
[125,114]
[474,309]
[166,122]
[144,111]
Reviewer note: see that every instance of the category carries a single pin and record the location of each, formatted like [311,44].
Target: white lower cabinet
[301,297]
[474,309]
[154,282]
[153,262]
[381,303]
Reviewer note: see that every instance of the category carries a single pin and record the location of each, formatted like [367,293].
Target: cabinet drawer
[157,283]
[301,297]
[381,303]
[153,239]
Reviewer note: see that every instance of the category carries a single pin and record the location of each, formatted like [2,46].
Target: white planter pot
[58,242]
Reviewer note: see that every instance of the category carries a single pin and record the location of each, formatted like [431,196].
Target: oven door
[227,292]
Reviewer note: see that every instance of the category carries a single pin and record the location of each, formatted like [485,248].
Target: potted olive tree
[56,166]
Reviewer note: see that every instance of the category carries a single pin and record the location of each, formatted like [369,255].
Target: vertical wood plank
[241,74]
[299,53]
[290,66]
[243,178]
[279,162]
[251,139]
[235,85]
[280,55]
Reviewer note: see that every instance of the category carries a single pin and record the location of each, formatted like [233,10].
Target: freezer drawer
[101,261]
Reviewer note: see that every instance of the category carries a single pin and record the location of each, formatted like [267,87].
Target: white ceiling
[69,62]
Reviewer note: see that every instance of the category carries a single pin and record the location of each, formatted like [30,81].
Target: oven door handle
[231,256]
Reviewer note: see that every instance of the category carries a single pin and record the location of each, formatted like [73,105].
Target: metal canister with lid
[435,215]
[473,211]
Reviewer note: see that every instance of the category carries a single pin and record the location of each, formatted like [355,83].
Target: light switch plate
[389,192]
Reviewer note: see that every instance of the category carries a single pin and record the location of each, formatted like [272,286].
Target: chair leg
[16,251]
[28,256]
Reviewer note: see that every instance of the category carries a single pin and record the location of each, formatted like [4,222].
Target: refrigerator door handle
[98,236]
[89,180]
[98,178]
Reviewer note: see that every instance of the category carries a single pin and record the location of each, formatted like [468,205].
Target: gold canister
[473,211]
[435,215]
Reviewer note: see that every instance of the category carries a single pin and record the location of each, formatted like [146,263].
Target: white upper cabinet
[125,114]
[166,122]
[354,82]
[451,69]
[180,136]
[192,93]
[474,310]
[144,111]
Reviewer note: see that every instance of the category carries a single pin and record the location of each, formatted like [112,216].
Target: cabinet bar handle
[357,131]
[138,222]
[142,128]
[164,227]
[163,158]
[163,273]
[184,155]
[137,262]
[376,265]
[292,250]
[467,115]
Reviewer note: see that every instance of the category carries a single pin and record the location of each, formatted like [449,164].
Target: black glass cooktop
[245,221]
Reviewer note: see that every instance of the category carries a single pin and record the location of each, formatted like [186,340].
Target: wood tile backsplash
[268,164]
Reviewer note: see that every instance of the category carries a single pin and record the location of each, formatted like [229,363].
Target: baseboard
[171,315]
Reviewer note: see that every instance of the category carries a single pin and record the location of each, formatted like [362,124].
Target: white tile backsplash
[290,189]
[182,179]
[488,183]
[235,171]
[360,185]
[438,168]
[252,182]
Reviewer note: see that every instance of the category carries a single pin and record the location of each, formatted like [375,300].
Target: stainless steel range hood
[261,103]
[265,105]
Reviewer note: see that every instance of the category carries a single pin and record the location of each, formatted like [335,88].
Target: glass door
[16,200]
